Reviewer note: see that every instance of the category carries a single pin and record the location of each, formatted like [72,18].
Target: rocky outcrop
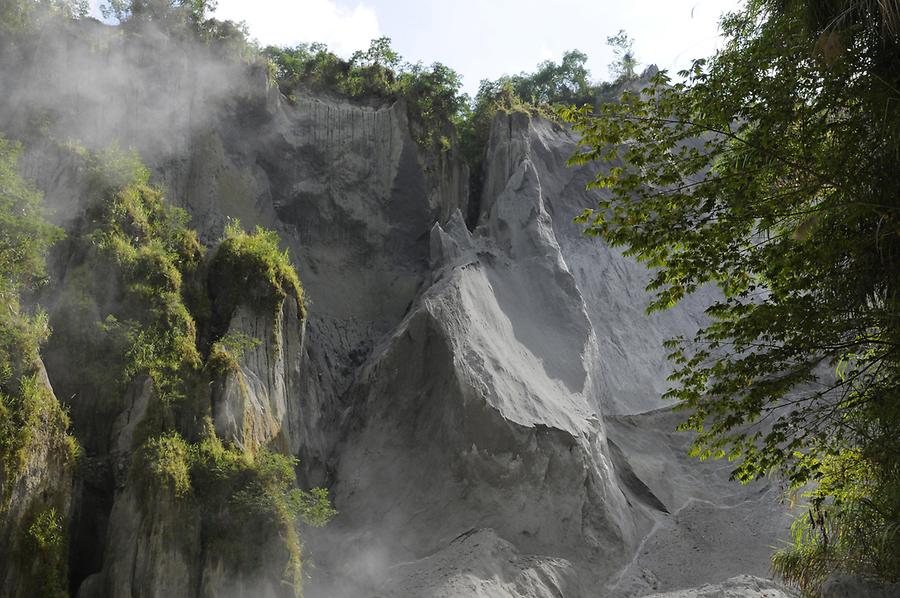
[156,543]
[459,423]
[252,403]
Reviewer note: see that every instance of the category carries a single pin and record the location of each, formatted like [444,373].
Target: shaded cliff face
[506,440]
[36,499]
[480,402]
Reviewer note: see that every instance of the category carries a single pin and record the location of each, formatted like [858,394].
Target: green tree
[566,82]
[433,101]
[771,172]
[21,16]
[186,20]
[380,53]
[165,12]
[624,68]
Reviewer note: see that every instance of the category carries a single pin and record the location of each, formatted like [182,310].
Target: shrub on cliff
[248,497]
[28,411]
[121,311]
[251,269]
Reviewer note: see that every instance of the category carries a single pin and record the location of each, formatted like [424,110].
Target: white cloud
[288,22]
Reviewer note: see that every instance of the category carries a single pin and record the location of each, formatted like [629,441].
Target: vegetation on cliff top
[432,93]
[436,106]
[771,172]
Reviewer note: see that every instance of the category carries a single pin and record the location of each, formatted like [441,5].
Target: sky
[484,39]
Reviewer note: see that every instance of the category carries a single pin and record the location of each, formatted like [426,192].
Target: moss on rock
[250,268]
[247,497]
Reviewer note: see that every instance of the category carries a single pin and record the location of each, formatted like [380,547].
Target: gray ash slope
[481,398]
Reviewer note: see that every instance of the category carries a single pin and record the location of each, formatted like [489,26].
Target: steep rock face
[486,410]
[460,425]
[155,543]
[252,404]
[42,486]
[478,455]
[633,365]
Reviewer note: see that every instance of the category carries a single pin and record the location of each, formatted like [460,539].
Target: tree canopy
[770,171]
[624,67]
[193,12]
[566,82]
[21,16]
